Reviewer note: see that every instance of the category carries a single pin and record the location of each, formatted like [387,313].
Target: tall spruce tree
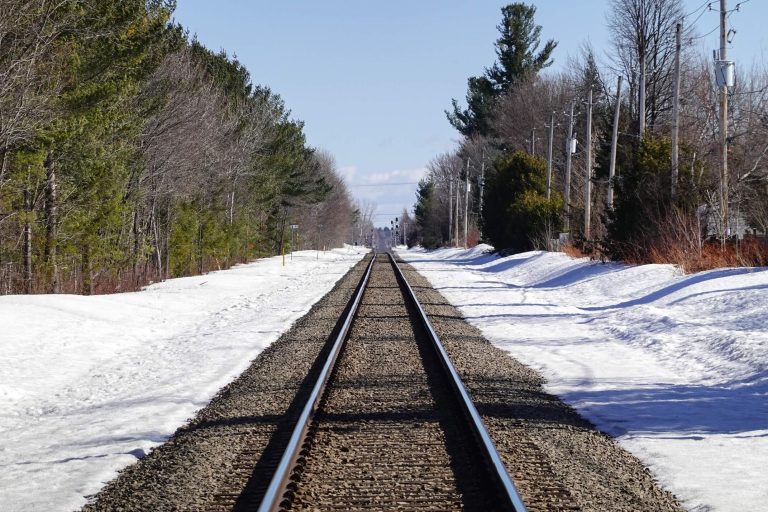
[518,60]
[427,216]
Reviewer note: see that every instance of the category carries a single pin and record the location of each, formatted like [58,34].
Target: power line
[708,8]
[736,9]
[707,3]
[699,16]
[761,90]
[705,35]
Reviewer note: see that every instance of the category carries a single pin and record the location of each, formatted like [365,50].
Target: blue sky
[371,79]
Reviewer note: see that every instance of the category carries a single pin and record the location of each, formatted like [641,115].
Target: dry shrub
[713,255]
[102,283]
[574,251]
[473,236]
[682,244]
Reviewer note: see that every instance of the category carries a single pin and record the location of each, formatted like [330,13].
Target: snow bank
[88,384]
[675,366]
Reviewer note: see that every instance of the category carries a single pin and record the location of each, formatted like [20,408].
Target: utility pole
[676,110]
[456,217]
[614,144]
[482,183]
[549,153]
[724,122]
[466,206]
[568,145]
[588,185]
[533,141]
[450,208]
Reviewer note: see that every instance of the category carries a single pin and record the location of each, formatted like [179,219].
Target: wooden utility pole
[724,123]
[466,206]
[568,171]
[676,110]
[549,153]
[450,208]
[588,184]
[481,184]
[533,141]
[456,216]
[614,144]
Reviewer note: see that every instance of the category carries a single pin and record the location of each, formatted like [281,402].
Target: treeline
[131,153]
[503,185]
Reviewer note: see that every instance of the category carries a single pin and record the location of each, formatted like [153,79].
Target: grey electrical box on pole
[725,73]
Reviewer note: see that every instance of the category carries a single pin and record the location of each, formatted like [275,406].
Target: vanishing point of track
[388,424]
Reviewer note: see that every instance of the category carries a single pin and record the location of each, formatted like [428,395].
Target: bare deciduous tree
[642,33]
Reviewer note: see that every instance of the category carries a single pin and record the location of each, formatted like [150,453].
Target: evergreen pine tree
[518,60]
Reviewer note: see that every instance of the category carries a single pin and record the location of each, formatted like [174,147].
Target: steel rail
[487,448]
[277,486]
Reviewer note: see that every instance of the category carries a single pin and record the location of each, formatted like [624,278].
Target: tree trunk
[232,207]
[136,246]
[282,233]
[641,97]
[4,166]
[27,238]
[51,225]
[85,270]
[200,246]
[156,235]
[167,250]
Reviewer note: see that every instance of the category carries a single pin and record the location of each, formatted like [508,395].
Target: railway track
[387,431]
[388,424]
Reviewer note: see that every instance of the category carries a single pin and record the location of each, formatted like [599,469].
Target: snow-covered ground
[675,366]
[88,384]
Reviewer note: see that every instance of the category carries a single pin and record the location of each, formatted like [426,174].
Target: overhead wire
[708,8]
[706,3]
[699,16]
[705,35]
[736,9]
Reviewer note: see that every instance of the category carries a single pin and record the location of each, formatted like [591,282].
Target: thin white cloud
[397,176]
[347,173]
[391,191]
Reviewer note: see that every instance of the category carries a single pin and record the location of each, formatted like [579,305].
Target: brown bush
[692,256]
[574,251]
[679,241]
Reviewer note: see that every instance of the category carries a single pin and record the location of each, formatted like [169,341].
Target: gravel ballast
[223,459]
[389,434]
[553,455]
[233,443]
